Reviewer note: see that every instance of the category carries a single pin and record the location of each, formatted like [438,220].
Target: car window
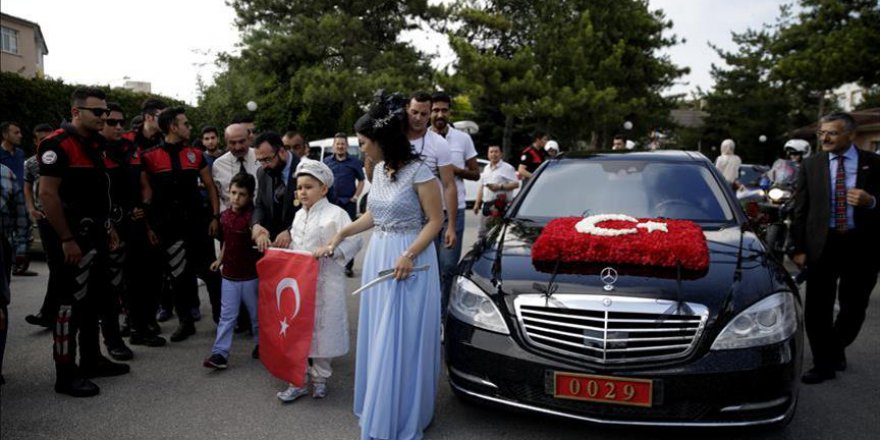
[644,190]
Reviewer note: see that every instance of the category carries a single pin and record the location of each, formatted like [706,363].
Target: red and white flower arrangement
[622,240]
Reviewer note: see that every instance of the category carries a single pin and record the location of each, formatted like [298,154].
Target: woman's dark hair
[244,180]
[385,124]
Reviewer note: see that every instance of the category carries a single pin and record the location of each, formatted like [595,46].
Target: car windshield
[639,189]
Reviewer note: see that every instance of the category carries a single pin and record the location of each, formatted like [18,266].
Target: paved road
[169,395]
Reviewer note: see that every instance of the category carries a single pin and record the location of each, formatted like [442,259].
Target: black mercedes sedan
[610,333]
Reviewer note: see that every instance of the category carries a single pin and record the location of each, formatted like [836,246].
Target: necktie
[840,196]
[241,168]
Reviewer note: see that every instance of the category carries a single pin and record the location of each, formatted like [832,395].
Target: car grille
[610,329]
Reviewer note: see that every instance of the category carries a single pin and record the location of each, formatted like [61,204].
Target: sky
[173,43]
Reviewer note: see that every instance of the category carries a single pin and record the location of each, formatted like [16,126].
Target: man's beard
[440,124]
[278,169]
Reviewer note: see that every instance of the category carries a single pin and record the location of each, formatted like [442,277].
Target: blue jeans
[447,258]
[232,294]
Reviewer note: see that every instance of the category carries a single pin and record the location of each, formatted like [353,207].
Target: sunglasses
[115,122]
[97,111]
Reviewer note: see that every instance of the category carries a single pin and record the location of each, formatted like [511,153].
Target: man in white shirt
[498,179]
[463,157]
[239,157]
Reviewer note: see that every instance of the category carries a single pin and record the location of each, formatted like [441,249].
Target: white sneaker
[291,393]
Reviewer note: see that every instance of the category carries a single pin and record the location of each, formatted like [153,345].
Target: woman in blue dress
[398,341]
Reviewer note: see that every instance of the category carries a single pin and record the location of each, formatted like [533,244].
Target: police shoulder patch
[49,157]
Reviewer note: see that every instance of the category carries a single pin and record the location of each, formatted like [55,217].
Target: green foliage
[574,67]
[35,101]
[315,65]
[777,79]
[830,43]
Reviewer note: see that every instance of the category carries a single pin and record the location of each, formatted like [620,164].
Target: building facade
[22,46]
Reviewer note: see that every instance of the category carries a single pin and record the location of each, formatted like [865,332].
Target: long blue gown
[398,341]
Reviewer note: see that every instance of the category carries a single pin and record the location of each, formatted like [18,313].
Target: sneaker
[291,393]
[256,353]
[163,314]
[216,361]
[319,390]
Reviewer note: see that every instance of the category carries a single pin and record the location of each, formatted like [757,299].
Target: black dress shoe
[183,331]
[153,328]
[120,352]
[103,367]
[148,340]
[38,320]
[256,353]
[77,387]
[816,375]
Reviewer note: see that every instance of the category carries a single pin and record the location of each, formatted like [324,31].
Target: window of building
[9,40]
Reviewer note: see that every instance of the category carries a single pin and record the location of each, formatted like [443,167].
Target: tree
[831,43]
[745,104]
[577,68]
[315,64]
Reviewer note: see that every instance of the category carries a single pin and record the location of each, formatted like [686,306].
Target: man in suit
[275,204]
[836,232]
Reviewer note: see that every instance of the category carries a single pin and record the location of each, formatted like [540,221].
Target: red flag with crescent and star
[288,280]
[621,239]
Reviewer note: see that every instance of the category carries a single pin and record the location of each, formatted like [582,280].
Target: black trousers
[847,273]
[80,290]
[50,304]
[143,279]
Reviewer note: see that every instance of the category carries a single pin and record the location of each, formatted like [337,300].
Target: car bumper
[745,387]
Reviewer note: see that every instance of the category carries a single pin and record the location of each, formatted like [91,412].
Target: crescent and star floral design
[624,240]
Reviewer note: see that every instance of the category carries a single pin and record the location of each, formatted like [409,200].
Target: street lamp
[251,105]
[627,125]
[762,138]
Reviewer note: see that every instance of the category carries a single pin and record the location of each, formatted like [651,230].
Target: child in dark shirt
[238,266]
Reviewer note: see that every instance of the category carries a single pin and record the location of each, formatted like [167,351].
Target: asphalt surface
[169,395]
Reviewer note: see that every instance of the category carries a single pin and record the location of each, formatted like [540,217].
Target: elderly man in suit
[275,204]
[836,232]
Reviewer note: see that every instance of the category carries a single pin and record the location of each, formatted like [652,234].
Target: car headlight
[771,320]
[777,194]
[471,305]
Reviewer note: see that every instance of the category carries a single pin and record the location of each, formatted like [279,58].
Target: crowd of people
[130,220]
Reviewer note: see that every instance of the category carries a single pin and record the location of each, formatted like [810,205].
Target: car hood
[726,286]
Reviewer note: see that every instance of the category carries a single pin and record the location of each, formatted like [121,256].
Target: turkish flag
[656,243]
[288,280]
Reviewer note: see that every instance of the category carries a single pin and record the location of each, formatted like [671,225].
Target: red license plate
[605,389]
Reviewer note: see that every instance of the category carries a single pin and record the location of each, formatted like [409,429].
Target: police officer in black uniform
[170,188]
[75,192]
[143,273]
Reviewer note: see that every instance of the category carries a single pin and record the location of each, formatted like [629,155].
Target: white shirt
[503,172]
[461,149]
[312,228]
[434,151]
[227,166]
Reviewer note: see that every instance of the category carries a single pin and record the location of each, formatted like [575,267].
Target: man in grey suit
[836,232]
[275,204]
